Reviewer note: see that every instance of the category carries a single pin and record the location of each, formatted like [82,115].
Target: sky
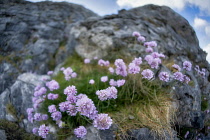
[197,12]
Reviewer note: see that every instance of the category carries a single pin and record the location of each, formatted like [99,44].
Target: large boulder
[33,35]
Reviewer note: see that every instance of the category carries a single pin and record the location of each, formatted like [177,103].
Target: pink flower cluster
[52,85]
[201,72]
[86,61]
[117,83]
[120,67]
[102,62]
[139,37]
[69,73]
[80,132]
[102,121]
[106,94]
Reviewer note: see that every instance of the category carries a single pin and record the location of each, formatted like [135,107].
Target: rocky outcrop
[41,35]
[33,36]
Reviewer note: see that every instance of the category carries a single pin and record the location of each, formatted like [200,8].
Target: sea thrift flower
[52,96]
[103,94]
[120,82]
[187,65]
[141,39]
[70,90]
[186,79]
[43,131]
[30,110]
[91,82]
[49,72]
[102,122]
[72,110]
[52,85]
[62,69]
[52,108]
[67,72]
[177,67]
[137,61]
[155,55]
[164,76]
[104,78]
[63,106]
[72,99]
[80,132]
[148,58]
[150,44]
[149,50]
[35,130]
[112,92]
[154,63]
[178,76]
[38,117]
[111,70]
[133,69]
[86,107]
[56,115]
[101,62]
[121,67]
[44,116]
[86,61]
[136,34]
[147,73]
[40,92]
[112,82]
[74,75]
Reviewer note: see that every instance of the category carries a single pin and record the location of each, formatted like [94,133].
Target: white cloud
[207,30]
[207,49]
[203,5]
[177,4]
[199,23]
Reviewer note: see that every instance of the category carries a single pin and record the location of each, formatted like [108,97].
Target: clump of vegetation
[131,93]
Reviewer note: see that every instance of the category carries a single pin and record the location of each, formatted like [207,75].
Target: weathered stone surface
[31,34]
[3,135]
[19,97]
[146,134]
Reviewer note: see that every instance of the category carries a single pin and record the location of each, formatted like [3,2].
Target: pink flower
[179,76]
[80,132]
[133,69]
[141,38]
[164,76]
[91,82]
[49,72]
[149,50]
[120,82]
[187,65]
[104,78]
[177,67]
[136,34]
[102,122]
[86,61]
[147,73]
[137,61]
[111,70]
[112,82]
